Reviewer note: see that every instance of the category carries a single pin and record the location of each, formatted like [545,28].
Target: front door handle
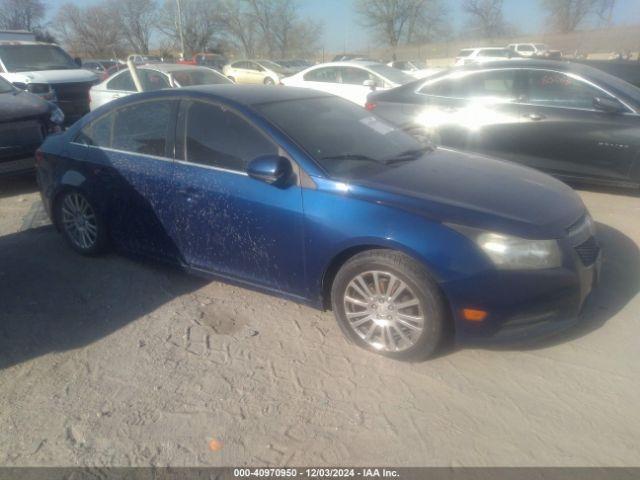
[535,116]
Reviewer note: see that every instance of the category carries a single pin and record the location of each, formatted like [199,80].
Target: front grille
[588,251]
[72,91]
[73,99]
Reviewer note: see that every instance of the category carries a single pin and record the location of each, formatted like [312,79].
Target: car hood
[477,191]
[14,106]
[52,76]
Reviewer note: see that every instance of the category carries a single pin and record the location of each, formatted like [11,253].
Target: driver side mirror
[78,61]
[371,84]
[608,105]
[271,169]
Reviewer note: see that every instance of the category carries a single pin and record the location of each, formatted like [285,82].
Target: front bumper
[525,305]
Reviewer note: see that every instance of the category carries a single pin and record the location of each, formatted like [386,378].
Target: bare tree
[21,14]
[269,27]
[567,15]
[240,27]
[400,21]
[487,20]
[91,30]
[137,19]
[201,23]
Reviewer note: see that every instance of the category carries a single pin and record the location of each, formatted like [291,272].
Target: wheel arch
[348,252]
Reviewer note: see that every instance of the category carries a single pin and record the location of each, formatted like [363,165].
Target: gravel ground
[110,361]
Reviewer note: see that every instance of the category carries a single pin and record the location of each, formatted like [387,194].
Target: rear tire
[386,302]
[81,224]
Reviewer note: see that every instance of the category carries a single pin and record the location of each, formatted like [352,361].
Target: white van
[47,70]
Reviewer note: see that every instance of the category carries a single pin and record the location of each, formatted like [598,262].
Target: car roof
[255,94]
[563,66]
[348,63]
[25,42]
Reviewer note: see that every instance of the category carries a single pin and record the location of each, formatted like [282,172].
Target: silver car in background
[153,77]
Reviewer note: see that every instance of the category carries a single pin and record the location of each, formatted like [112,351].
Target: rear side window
[329,75]
[494,84]
[153,80]
[498,52]
[143,127]
[464,53]
[355,76]
[547,88]
[98,132]
[122,82]
[525,48]
[220,138]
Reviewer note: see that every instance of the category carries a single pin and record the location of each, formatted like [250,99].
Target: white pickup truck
[47,70]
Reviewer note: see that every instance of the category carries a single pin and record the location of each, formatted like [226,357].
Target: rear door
[131,152]
[567,136]
[224,221]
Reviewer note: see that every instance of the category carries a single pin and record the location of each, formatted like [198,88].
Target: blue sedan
[307,196]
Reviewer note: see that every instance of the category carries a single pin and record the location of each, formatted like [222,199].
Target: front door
[224,221]
[567,136]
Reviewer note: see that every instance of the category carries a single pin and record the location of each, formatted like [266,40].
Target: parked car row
[512,51]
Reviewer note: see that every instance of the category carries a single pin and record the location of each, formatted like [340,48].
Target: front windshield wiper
[352,156]
[408,155]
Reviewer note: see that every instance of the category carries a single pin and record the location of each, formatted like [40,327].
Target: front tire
[386,302]
[80,223]
[269,81]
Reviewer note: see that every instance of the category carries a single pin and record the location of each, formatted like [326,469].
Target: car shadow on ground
[18,185]
[618,284]
[52,299]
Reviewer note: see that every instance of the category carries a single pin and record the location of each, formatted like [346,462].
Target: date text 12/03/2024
[316,472]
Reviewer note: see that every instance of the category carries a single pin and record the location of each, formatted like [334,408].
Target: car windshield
[392,74]
[25,58]
[5,87]
[344,138]
[204,76]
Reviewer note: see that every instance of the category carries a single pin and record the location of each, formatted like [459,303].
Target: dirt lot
[110,361]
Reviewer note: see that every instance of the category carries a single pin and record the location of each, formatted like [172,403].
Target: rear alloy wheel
[386,302]
[269,81]
[80,223]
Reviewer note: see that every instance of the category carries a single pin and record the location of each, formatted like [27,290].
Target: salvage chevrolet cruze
[307,196]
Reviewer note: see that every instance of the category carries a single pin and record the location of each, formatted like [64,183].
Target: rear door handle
[534,116]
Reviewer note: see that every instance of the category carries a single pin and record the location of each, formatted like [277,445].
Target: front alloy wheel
[383,311]
[388,303]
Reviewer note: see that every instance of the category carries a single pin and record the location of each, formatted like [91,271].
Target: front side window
[122,82]
[204,76]
[217,137]
[525,48]
[556,89]
[498,52]
[143,127]
[327,75]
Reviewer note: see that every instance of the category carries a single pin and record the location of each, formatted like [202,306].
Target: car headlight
[514,253]
[57,115]
[508,252]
